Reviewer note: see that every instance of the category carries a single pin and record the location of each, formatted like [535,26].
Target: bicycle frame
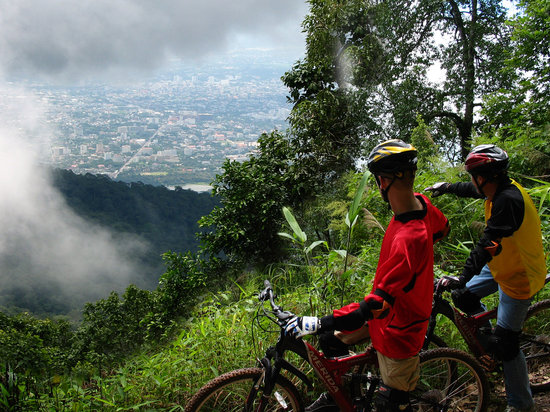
[450,378]
[335,373]
[467,325]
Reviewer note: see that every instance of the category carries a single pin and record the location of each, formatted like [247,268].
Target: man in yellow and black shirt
[509,258]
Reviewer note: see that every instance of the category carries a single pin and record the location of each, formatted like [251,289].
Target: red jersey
[404,278]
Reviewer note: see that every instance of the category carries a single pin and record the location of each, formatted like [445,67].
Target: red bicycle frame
[333,372]
[469,327]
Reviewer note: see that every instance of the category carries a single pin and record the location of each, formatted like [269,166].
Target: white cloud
[69,39]
[43,244]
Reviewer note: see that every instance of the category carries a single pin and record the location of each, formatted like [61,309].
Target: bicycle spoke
[450,380]
[238,391]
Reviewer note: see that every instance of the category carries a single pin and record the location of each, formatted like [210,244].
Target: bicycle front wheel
[450,380]
[242,390]
[535,344]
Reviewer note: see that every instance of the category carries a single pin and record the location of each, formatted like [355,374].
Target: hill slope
[155,218]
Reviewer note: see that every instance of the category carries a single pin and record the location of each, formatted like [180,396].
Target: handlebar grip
[267,292]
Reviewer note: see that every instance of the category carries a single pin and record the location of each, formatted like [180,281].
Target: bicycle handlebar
[439,288]
[267,294]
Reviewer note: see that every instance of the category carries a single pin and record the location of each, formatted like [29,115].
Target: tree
[364,78]
[517,118]
[252,194]
[531,37]
[112,327]
[475,42]
[382,51]
[329,117]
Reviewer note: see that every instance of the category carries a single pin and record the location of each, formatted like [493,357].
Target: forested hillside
[167,219]
[156,218]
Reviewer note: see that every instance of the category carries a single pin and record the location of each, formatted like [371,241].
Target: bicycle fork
[268,380]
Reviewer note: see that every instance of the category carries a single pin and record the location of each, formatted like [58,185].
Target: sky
[72,40]
[42,242]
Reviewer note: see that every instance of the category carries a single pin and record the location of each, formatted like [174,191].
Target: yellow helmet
[392,156]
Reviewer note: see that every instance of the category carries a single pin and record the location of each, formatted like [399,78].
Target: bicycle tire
[436,342]
[229,393]
[450,380]
[536,331]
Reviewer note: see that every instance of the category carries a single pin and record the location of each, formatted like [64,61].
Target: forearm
[350,317]
[482,254]
[463,189]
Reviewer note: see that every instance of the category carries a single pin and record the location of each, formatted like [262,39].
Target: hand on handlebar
[452,282]
[299,326]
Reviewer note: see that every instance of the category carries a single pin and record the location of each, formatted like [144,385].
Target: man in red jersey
[398,307]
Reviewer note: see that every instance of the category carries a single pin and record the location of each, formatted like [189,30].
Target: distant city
[173,129]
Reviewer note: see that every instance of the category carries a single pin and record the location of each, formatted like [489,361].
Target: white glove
[300,326]
[438,188]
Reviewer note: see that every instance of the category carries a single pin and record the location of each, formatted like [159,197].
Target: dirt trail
[498,401]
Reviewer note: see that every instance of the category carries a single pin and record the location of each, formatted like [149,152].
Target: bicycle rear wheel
[450,380]
[535,344]
[234,390]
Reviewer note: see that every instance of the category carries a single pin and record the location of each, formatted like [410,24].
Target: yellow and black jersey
[512,241]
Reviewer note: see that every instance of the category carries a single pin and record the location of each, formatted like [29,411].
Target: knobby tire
[229,393]
[535,344]
[450,379]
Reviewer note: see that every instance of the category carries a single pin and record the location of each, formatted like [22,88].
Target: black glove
[452,282]
[438,188]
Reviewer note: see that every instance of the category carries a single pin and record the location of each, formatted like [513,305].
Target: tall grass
[219,333]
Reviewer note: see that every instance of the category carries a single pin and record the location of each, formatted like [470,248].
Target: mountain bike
[475,330]
[450,379]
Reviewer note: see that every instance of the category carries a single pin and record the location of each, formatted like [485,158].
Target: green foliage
[517,118]
[185,278]
[299,238]
[341,49]
[30,344]
[365,75]
[540,193]
[157,218]
[353,214]
[218,334]
[528,150]
[477,42]
[111,327]
[252,194]
[326,136]
[531,37]
[330,272]
[30,348]
[422,140]
[166,219]
[329,117]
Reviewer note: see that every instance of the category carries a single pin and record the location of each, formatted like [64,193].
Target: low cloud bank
[46,251]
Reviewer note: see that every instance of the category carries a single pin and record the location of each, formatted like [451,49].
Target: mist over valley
[85,204]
